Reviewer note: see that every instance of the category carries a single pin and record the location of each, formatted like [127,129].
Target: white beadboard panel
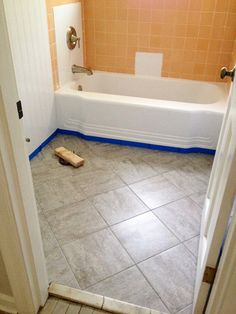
[65,16]
[28,32]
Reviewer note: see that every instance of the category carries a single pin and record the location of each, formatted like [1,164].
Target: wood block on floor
[69,156]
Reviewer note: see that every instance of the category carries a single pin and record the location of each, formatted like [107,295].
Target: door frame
[222,297]
[21,248]
[20,237]
[216,216]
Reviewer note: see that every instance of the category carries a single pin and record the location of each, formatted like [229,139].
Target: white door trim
[225,284]
[217,209]
[20,238]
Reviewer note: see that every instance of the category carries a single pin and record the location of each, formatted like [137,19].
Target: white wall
[65,16]
[27,26]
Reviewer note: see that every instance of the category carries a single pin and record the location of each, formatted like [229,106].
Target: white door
[218,205]
[20,239]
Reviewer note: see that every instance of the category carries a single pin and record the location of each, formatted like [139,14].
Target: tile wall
[195,36]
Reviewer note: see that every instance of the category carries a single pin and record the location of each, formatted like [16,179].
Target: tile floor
[126,224]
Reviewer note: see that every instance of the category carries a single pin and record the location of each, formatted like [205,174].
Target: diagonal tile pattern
[157,191]
[171,273]
[118,205]
[144,236]
[127,286]
[96,257]
[126,224]
[75,221]
[182,217]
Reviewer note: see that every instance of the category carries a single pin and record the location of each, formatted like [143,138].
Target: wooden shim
[69,156]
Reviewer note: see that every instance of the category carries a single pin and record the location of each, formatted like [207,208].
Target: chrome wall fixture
[71,38]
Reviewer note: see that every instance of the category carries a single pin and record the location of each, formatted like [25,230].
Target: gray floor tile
[99,258]
[59,270]
[198,198]
[165,161]
[95,257]
[132,169]
[172,275]
[130,286]
[189,178]
[118,205]
[73,143]
[156,191]
[144,236]
[72,222]
[204,161]
[183,218]
[98,162]
[50,170]
[97,181]
[187,310]
[55,193]
[110,150]
[193,245]
[48,237]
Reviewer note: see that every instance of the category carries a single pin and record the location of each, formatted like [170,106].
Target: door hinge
[209,275]
[19,109]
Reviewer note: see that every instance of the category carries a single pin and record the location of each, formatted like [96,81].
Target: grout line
[108,277]
[109,226]
[136,264]
[59,247]
[183,308]
[153,288]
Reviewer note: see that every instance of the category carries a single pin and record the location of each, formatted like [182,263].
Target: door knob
[224,72]
[27,139]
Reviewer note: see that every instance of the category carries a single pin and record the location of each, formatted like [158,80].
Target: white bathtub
[165,112]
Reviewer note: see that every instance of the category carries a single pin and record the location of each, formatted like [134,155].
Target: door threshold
[70,299]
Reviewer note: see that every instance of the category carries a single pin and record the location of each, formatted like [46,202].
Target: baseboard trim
[7,304]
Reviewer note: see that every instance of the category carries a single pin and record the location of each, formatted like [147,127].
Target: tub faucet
[79,69]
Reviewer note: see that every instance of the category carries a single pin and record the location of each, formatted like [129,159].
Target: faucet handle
[71,38]
[74,39]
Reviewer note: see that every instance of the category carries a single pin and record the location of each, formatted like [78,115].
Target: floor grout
[59,246]
[109,226]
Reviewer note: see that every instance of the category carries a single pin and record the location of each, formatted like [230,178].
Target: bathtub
[157,112]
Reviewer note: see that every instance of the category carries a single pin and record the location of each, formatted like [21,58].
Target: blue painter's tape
[137,144]
[48,140]
[122,142]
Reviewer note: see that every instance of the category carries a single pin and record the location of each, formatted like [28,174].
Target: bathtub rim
[218,106]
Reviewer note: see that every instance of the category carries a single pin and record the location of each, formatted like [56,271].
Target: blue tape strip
[48,140]
[122,142]
[137,144]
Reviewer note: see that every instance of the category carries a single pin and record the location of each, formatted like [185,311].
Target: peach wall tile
[233,55]
[195,36]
